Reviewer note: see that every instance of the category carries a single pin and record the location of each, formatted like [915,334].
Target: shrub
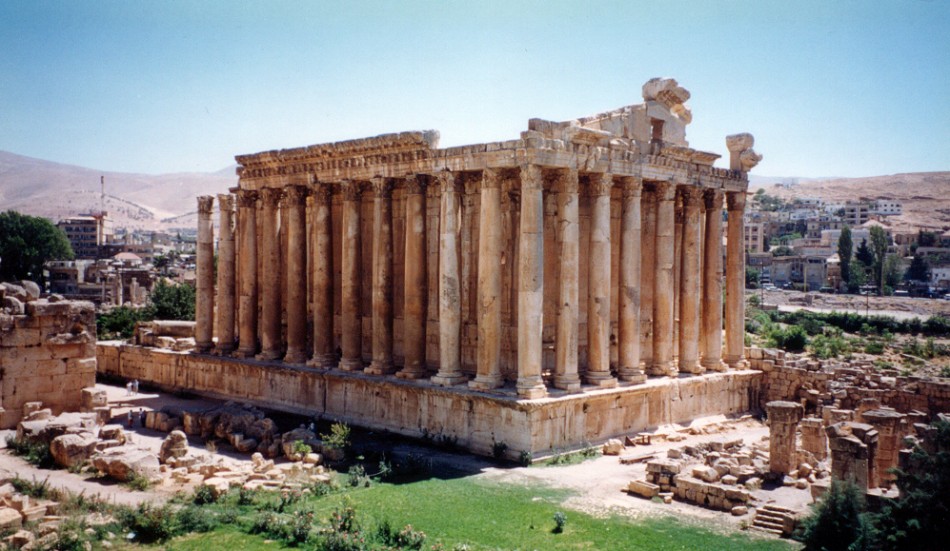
[525,458]
[193,518]
[297,529]
[339,437]
[357,477]
[301,447]
[268,524]
[874,347]
[137,482]
[498,450]
[35,453]
[32,488]
[148,523]
[830,346]
[792,339]
[408,538]
[836,521]
[205,495]
[560,519]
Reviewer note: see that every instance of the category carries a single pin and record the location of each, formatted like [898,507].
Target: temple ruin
[545,291]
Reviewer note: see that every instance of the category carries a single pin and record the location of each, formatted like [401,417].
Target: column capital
[665,191]
[205,204]
[416,184]
[692,196]
[447,181]
[294,195]
[490,179]
[735,200]
[225,202]
[713,199]
[532,177]
[321,192]
[352,190]
[270,197]
[631,187]
[247,198]
[382,187]
[599,183]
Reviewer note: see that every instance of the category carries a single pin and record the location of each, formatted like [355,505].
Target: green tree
[864,254]
[28,242]
[172,301]
[751,278]
[845,250]
[892,271]
[782,250]
[919,269]
[836,522]
[879,243]
[926,238]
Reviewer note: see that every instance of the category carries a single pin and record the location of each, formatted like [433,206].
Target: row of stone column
[646,302]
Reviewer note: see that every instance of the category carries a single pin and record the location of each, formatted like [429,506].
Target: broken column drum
[783,423]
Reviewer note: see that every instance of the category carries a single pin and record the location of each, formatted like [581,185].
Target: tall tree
[864,254]
[845,250]
[879,243]
[919,269]
[26,243]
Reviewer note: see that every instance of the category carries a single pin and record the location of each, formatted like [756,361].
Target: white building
[886,207]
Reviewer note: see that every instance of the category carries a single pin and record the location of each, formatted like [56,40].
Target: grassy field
[481,515]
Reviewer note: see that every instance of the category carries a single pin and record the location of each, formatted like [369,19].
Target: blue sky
[828,88]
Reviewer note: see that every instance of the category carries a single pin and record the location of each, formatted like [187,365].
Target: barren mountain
[925,195]
[55,191]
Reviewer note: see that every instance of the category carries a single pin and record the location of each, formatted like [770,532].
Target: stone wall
[47,352]
[788,377]
[474,420]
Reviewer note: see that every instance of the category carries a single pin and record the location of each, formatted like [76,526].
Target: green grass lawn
[484,515]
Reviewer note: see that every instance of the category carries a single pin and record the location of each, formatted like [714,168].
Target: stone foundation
[472,419]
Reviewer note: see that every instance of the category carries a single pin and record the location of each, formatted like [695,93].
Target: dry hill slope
[53,190]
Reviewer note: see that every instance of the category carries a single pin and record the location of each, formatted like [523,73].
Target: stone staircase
[774,520]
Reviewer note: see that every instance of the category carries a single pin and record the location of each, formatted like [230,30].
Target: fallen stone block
[643,488]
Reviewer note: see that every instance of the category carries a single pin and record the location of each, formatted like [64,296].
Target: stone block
[643,488]
[10,519]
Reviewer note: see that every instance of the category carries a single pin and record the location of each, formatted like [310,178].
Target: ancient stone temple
[583,256]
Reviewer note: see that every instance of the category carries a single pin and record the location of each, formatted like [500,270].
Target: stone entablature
[526,245]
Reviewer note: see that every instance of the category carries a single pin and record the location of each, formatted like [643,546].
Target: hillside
[139,201]
[925,195]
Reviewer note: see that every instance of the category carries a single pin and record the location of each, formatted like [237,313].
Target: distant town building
[886,207]
[940,277]
[87,233]
[856,213]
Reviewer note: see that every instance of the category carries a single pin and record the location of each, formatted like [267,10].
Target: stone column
[416,280]
[887,424]
[679,213]
[247,302]
[598,284]
[295,205]
[712,282]
[225,296]
[690,283]
[663,281]
[814,440]
[352,330]
[382,363]
[489,284]
[783,422]
[647,276]
[204,284]
[630,251]
[853,448]
[531,283]
[322,267]
[450,296]
[735,280]
[568,239]
[270,292]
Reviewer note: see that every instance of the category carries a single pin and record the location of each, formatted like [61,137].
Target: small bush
[148,523]
[268,524]
[408,538]
[193,518]
[339,437]
[35,453]
[205,495]
[297,531]
[33,488]
[357,477]
[874,347]
[498,450]
[525,458]
[560,519]
[792,339]
[301,447]
[137,482]
[836,521]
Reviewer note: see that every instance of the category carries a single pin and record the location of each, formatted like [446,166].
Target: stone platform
[474,420]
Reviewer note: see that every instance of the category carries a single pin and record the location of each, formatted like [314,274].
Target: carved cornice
[713,199]
[352,190]
[735,200]
[205,204]
[599,184]
[247,198]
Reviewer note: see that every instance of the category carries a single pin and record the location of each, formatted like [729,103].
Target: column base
[448,379]
[377,367]
[245,353]
[600,380]
[351,364]
[663,369]
[295,357]
[735,362]
[569,383]
[223,350]
[326,361]
[633,376]
[268,355]
[691,367]
[485,382]
[204,347]
[715,365]
[412,374]
[531,388]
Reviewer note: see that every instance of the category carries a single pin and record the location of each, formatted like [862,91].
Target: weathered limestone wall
[47,353]
[417,408]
